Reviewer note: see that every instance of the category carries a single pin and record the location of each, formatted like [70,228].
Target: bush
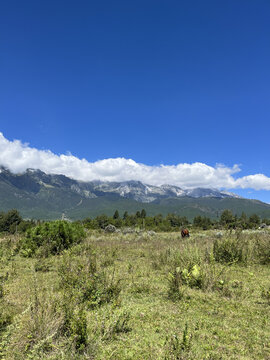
[75,325]
[262,248]
[206,277]
[10,220]
[51,238]
[176,290]
[229,250]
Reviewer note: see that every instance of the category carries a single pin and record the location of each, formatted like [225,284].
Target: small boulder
[110,228]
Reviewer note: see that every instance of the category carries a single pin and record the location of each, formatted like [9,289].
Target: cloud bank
[17,157]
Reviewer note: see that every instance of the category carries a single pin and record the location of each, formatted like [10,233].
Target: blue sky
[159,82]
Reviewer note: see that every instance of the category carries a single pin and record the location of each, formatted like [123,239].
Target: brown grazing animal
[184,233]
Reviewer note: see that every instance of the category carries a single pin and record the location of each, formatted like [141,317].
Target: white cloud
[18,157]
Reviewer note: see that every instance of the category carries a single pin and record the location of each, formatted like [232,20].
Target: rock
[151,233]
[110,228]
[128,230]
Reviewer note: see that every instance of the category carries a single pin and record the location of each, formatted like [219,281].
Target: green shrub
[51,238]
[75,324]
[194,277]
[204,277]
[262,249]
[228,250]
[176,289]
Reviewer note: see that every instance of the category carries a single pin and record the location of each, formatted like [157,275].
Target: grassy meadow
[141,295]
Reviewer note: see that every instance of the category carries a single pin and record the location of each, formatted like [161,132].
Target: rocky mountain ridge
[39,195]
[32,180]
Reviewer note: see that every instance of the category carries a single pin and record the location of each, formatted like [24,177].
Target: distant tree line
[173,222]
[140,219]
[12,222]
[230,221]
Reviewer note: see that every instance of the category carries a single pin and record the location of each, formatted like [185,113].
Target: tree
[158,219]
[102,221]
[227,218]
[184,221]
[243,221]
[174,220]
[143,214]
[10,220]
[254,221]
[125,216]
[132,220]
[266,221]
[197,221]
[116,215]
[202,222]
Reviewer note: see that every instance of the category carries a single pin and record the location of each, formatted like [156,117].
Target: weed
[140,288]
[176,290]
[42,265]
[75,324]
[265,294]
[80,278]
[177,348]
[115,325]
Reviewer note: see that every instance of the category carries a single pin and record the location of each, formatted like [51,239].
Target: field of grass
[138,296]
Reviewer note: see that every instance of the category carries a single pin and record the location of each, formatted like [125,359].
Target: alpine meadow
[72,293]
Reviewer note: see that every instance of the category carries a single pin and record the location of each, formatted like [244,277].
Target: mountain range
[48,196]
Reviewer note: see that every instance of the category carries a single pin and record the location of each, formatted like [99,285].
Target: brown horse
[184,233]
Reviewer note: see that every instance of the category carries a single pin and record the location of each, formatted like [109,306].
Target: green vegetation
[12,222]
[51,238]
[139,295]
[172,222]
[140,220]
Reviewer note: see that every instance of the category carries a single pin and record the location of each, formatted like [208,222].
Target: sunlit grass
[224,316]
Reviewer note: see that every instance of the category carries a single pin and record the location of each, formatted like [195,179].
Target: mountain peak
[46,196]
[132,189]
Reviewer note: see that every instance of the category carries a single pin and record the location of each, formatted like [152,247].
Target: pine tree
[143,214]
